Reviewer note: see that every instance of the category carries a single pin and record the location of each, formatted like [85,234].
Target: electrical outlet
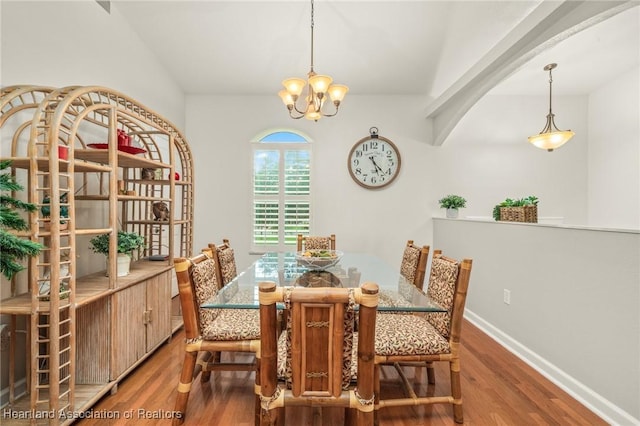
[506,296]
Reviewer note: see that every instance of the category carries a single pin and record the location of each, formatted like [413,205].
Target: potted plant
[128,242]
[517,210]
[12,247]
[452,203]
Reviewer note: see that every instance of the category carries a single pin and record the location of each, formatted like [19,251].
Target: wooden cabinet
[86,330]
[144,321]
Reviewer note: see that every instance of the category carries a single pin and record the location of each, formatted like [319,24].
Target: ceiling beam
[550,23]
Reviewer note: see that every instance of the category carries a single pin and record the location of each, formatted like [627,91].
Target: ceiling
[374,47]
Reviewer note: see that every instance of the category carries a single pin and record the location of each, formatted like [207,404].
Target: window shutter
[281,191]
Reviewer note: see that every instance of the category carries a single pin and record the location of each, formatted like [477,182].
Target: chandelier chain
[312,22]
[319,89]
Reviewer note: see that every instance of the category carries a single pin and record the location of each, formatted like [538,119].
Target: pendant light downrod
[551,137]
[318,86]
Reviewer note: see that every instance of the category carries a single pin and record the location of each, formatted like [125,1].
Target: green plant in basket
[531,200]
[127,243]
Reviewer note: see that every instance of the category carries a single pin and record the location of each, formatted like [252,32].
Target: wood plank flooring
[497,389]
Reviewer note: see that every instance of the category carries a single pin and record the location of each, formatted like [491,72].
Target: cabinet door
[93,342]
[128,328]
[158,316]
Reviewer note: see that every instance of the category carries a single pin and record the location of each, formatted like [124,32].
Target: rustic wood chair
[318,357]
[308,242]
[209,331]
[420,339]
[225,261]
[414,263]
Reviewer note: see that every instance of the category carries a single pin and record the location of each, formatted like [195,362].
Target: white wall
[575,303]
[614,153]
[363,220]
[65,43]
[487,157]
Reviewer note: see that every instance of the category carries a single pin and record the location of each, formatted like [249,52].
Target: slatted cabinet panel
[129,335]
[93,323]
[158,315]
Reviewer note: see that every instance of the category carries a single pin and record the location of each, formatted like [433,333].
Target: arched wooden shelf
[78,329]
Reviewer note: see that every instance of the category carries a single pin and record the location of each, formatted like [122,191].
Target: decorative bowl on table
[318,259]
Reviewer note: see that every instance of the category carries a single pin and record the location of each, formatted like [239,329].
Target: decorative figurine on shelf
[161,211]
[148,174]
[45,209]
[123,138]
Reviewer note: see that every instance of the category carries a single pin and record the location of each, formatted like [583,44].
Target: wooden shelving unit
[85,333]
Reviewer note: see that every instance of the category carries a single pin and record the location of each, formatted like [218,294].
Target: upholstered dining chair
[414,263]
[225,261]
[309,242]
[209,331]
[428,338]
[318,357]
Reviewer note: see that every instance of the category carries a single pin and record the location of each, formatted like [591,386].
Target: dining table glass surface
[352,270]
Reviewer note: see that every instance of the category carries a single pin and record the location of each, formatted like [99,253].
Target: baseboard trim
[604,408]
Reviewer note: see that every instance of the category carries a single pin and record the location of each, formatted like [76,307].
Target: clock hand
[378,168]
[374,164]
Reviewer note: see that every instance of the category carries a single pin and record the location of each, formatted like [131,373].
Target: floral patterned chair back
[225,262]
[414,263]
[309,242]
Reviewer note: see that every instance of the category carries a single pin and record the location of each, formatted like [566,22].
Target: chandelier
[551,137]
[318,86]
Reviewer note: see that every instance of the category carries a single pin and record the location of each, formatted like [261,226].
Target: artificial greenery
[452,202]
[127,243]
[12,247]
[531,200]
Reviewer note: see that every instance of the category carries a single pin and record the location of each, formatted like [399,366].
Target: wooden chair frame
[195,345]
[453,357]
[302,239]
[317,375]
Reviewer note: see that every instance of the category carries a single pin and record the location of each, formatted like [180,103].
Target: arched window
[281,190]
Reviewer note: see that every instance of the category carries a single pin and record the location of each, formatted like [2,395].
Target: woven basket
[519,214]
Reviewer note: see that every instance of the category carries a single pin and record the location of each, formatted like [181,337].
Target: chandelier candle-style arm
[551,137]
[318,86]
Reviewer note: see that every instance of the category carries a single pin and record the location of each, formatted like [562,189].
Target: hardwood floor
[497,388]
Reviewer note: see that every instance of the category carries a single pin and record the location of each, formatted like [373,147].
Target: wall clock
[374,161]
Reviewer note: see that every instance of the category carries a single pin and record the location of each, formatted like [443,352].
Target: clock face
[374,162]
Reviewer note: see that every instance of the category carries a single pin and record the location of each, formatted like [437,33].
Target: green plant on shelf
[128,242]
[452,202]
[531,200]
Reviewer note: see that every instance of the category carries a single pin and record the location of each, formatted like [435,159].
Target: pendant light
[551,137]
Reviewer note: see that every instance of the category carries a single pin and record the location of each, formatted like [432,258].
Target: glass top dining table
[352,270]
